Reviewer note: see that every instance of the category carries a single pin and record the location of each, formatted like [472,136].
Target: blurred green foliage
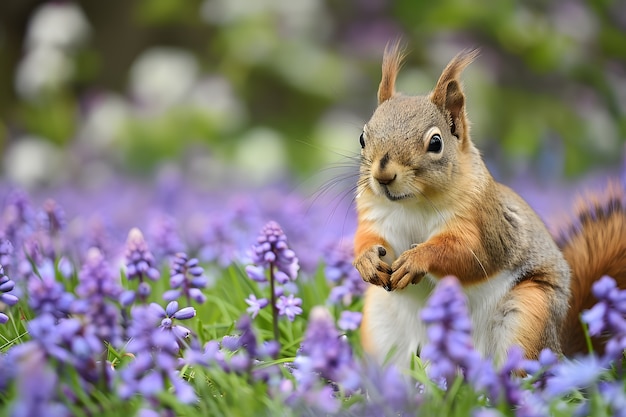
[548,93]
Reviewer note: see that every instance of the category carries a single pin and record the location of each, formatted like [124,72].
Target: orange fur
[365,238]
[452,252]
[531,302]
[593,248]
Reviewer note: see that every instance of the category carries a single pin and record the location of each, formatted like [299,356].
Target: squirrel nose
[385,178]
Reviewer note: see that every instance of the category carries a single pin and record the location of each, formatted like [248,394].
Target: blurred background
[227,91]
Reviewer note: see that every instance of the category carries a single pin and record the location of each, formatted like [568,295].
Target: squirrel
[427,207]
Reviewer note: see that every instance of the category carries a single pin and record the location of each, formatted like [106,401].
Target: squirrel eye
[435,145]
[362,140]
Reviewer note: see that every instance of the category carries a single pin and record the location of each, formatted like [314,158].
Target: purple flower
[6,286]
[18,217]
[186,279]
[6,252]
[289,306]
[36,384]
[140,263]
[98,290]
[170,315]
[255,305]
[608,316]
[340,271]
[389,393]
[613,395]
[72,343]
[46,295]
[226,232]
[139,260]
[163,232]
[326,353]
[571,375]
[349,320]
[275,263]
[450,345]
[272,253]
[52,217]
[155,341]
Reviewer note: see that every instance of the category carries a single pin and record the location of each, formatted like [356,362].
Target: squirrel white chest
[405,224]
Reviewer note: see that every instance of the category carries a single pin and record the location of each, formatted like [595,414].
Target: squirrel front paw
[407,269]
[372,267]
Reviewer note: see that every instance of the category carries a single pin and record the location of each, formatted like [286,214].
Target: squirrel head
[417,146]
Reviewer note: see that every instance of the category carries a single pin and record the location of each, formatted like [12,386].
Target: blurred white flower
[103,123]
[60,25]
[31,161]
[261,155]
[42,69]
[310,68]
[216,97]
[161,77]
[302,18]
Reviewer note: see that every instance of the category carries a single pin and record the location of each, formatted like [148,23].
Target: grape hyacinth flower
[6,252]
[155,344]
[6,286]
[46,295]
[570,375]
[73,344]
[172,313]
[272,253]
[36,382]
[140,264]
[98,290]
[450,344]
[186,279]
[17,218]
[340,271]
[349,320]
[276,263]
[52,217]
[389,393]
[608,316]
[326,353]
[164,233]
[246,351]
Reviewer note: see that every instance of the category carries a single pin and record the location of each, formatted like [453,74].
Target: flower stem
[273,302]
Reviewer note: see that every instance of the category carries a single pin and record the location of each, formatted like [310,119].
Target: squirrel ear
[448,94]
[392,60]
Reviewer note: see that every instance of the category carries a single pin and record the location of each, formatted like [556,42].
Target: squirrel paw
[372,268]
[406,270]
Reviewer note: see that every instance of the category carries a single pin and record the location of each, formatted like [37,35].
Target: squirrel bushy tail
[594,245]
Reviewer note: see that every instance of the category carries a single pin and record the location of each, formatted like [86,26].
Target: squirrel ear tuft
[448,95]
[392,60]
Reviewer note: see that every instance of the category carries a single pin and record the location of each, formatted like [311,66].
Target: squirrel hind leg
[530,314]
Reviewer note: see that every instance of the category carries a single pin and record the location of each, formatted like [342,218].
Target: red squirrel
[428,207]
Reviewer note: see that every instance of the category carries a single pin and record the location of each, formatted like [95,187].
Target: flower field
[196,304]
[176,189]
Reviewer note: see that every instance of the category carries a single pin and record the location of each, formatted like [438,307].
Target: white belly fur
[396,330]
[394,326]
